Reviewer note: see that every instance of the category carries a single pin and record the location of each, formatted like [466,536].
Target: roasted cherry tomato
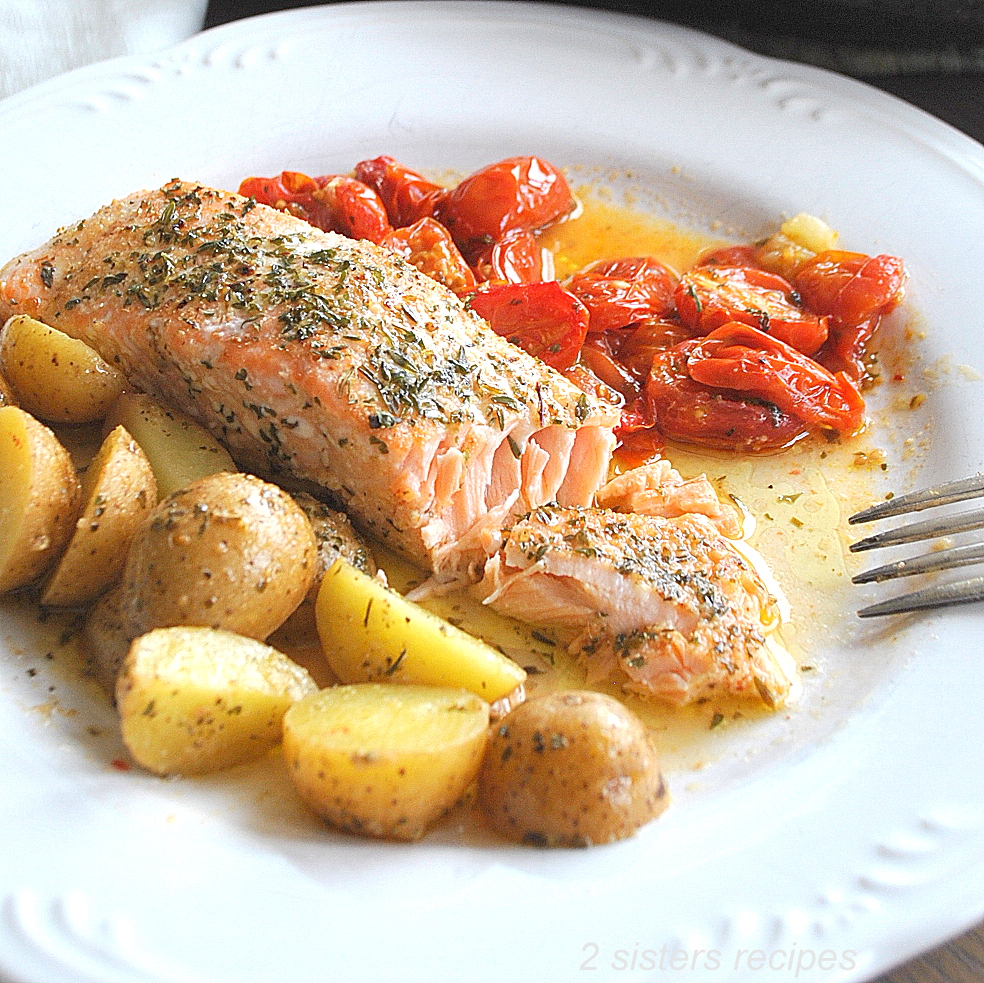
[542,318]
[624,291]
[684,410]
[516,258]
[743,359]
[356,210]
[709,296]
[290,191]
[585,380]
[429,246]
[596,355]
[853,287]
[846,349]
[640,344]
[407,195]
[740,255]
[333,203]
[519,194]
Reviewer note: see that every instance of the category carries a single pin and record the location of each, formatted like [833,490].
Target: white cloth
[43,38]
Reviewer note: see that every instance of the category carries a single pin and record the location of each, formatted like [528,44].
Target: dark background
[928,52]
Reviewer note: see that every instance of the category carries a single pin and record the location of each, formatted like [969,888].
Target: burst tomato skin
[846,349]
[712,295]
[542,318]
[277,191]
[406,195]
[514,195]
[742,254]
[626,291]
[684,410]
[428,245]
[333,203]
[515,258]
[598,357]
[742,359]
[356,210]
[852,287]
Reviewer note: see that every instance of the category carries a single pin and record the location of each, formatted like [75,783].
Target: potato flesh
[385,761]
[571,769]
[180,451]
[56,377]
[370,633]
[195,700]
[39,498]
[118,493]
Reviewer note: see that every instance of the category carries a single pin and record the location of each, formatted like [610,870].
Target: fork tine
[958,556]
[951,491]
[940,596]
[927,529]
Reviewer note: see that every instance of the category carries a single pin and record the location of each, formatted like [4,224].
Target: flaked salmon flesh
[661,606]
[335,362]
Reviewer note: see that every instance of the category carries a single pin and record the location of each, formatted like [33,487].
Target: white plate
[849,835]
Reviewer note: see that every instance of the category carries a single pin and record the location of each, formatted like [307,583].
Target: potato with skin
[106,638]
[40,497]
[372,634]
[337,539]
[56,377]
[7,397]
[118,493]
[571,769]
[385,761]
[180,450]
[230,551]
[195,700]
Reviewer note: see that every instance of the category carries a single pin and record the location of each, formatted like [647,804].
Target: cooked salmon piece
[333,361]
[657,488]
[660,606]
[324,358]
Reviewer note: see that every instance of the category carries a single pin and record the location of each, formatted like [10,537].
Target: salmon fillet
[661,606]
[331,360]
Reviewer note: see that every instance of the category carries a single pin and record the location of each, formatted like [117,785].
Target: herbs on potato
[194,700]
[571,769]
[385,761]
[118,493]
[180,450]
[230,551]
[373,634]
[40,497]
[56,377]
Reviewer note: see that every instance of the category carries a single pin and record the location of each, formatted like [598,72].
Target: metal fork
[940,595]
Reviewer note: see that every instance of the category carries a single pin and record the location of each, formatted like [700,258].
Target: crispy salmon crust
[331,360]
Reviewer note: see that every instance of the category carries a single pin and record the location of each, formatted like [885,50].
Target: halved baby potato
[56,377]
[195,700]
[118,493]
[373,634]
[180,450]
[385,761]
[40,496]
